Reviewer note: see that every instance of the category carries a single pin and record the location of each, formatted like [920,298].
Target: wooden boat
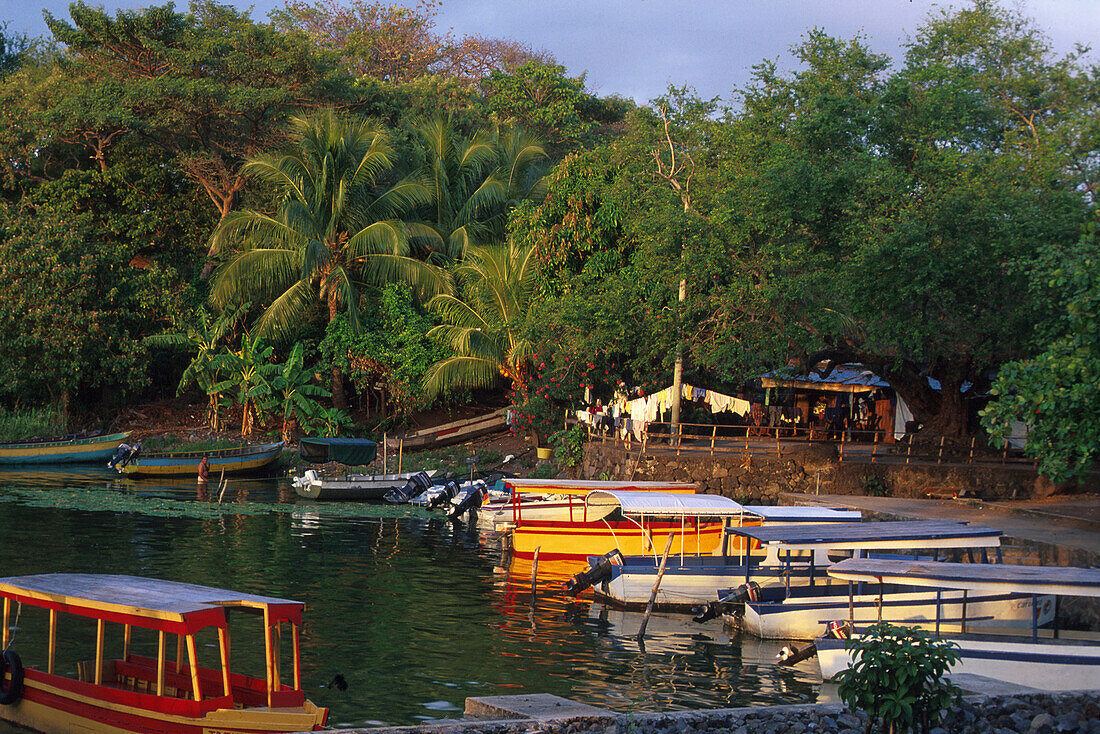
[351,488]
[120,680]
[559,499]
[1048,659]
[635,523]
[234,460]
[800,612]
[454,432]
[76,448]
[694,580]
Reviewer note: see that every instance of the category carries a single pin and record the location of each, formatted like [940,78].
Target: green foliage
[874,485]
[392,349]
[544,471]
[897,677]
[1057,392]
[483,324]
[70,308]
[21,423]
[568,445]
[293,395]
[540,97]
[248,375]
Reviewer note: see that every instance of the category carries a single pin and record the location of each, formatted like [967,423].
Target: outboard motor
[123,455]
[728,601]
[413,488]
[789,655]
[596,573]
[470,501]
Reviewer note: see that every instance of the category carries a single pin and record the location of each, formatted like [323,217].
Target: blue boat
[73,449]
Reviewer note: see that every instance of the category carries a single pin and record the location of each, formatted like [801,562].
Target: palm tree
[473,181]
[483,326]
[336,228]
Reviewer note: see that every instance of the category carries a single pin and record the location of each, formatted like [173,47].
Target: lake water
[415,612]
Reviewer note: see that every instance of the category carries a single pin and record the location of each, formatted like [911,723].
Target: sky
[636,48]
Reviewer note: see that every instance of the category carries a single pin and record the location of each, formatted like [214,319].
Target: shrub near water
[19,424]
[897,677]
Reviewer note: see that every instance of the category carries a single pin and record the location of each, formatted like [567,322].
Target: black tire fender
[10,690]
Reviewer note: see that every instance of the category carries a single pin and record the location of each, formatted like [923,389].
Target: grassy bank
[22,423]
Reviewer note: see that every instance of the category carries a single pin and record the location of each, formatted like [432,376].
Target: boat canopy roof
[873,535]
[351,451]
[601,503]
[995,577]
[169,605]
[789,514]
[584,486]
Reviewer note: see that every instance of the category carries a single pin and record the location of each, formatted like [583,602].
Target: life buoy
[10,690]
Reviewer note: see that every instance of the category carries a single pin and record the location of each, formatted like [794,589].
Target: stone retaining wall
[760,478]
[1033,713]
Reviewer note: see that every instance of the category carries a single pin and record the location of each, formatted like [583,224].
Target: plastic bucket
[544,453]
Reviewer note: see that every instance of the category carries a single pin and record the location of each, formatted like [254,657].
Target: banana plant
[294,392]
[249,374]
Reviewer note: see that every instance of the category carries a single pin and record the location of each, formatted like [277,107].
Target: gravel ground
[1017,714]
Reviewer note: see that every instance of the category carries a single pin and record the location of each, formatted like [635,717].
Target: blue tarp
[353,451]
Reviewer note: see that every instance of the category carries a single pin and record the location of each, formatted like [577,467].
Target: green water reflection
[413,611]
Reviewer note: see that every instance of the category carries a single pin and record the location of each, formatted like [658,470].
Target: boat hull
[686,584]
[54,704]
[802,616]
[188,463]
[352,489]
[1047,665]
[577,541]
[74,451]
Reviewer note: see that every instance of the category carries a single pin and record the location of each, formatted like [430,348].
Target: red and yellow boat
[74,682]
[635,523]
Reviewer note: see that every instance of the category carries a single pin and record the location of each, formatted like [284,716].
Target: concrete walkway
[1072,522]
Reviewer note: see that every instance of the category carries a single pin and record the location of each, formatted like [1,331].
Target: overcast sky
[635,48]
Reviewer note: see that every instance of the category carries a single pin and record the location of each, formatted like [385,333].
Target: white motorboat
[1041,656]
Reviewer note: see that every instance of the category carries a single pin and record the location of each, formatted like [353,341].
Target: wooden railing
[853,444]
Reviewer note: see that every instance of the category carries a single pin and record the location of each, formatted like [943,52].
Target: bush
[568,445]
[897,677]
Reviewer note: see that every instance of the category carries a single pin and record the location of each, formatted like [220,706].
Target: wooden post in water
[535,573]
[400,453]
[222,484]
[656,585]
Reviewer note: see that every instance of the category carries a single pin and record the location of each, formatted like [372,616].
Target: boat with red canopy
[105,663]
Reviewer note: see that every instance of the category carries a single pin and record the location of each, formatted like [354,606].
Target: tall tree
[483,323]
[337,227]
[211,87]
[473,182]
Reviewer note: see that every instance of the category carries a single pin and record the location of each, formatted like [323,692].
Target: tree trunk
[339,397]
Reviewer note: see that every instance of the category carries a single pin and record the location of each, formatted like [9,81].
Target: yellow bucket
[544,453]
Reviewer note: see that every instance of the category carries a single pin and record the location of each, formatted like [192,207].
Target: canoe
[351,488]
[235,460]
[449,434]
[158,658]
[71,449]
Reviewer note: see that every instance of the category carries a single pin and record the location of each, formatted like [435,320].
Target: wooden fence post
[939,456]
[713,435]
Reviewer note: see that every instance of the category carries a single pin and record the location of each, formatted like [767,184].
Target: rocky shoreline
[1028,713]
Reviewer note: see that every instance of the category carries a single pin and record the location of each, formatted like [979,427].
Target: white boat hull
[803,616]
[1047,665]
